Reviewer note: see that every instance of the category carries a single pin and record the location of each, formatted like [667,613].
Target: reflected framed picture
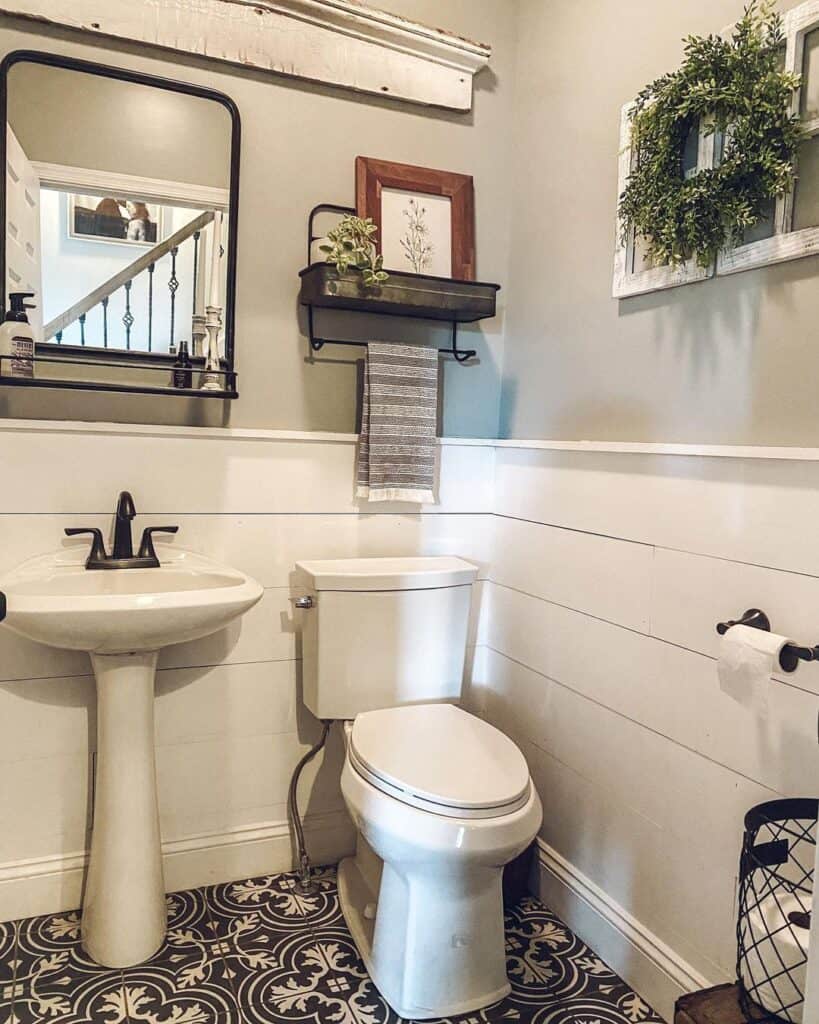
[105,219]
[425,218]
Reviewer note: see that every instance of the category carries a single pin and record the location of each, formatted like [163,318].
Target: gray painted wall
[299,146]
[732,360]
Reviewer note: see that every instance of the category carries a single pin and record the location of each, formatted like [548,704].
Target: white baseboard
[49,885]
[53,884]
[654,970]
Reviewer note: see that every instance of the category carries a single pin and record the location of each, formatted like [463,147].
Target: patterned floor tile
[257,921]
[260,952]
[557,979]
[8,941]
[320,907]
[320,979]
[254,952]
[150,1000]
[276,899]
[56,981]
[186,980]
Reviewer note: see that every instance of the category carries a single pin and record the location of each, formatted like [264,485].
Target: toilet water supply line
[305,884]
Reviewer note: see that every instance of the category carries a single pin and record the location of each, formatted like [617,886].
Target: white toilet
[441,800]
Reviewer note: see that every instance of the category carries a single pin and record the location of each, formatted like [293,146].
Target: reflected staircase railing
[124,279]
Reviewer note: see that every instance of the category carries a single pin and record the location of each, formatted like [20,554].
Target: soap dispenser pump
[17,338]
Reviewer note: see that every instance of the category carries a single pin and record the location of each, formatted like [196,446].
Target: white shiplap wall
[229,724]
[596,652]
[603,573]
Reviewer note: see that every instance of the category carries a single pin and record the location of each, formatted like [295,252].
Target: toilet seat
[440,759]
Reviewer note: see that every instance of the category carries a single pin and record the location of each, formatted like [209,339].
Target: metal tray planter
[414,295]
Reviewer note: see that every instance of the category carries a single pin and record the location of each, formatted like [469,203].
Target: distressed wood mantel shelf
[337,42]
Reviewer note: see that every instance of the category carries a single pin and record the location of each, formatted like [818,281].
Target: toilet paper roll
[777,949]
[747,658]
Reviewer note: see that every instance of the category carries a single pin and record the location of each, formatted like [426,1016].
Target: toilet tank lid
[420,573]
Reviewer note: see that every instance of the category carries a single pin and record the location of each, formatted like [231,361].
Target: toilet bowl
[442,801]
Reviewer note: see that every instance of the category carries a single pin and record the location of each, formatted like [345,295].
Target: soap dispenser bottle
[17,338]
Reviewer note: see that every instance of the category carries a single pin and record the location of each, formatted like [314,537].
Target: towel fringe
[423,497]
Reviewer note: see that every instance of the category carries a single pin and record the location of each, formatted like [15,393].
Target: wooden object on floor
[719,1005]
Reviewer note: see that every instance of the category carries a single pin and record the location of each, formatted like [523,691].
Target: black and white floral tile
[259,952]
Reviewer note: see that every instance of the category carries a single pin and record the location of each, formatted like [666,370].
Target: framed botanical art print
[103,219]
[425,218]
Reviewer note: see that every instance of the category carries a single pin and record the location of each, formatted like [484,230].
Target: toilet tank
[383,632]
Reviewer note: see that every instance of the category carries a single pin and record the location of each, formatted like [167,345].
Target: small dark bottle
[183,368]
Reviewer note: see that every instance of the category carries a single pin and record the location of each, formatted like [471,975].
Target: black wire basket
[775,904]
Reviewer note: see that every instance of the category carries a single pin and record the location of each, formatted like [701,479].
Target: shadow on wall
[721,335]
[453,377]
[705,320]
[703,341]
[702,321]
[635,419]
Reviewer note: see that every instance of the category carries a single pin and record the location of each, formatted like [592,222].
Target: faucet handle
[97,554]
[146,545]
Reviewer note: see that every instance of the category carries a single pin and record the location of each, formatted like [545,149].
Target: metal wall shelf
[418,296]
[412,295]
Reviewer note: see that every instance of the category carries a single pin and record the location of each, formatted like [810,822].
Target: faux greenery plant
[737,89]
[353,248]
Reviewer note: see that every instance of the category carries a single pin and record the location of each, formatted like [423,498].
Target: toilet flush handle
[304,602]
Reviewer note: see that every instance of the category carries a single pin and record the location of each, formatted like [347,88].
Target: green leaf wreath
[737,90]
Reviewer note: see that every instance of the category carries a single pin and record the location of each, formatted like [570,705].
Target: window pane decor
[792,229]
[634,273]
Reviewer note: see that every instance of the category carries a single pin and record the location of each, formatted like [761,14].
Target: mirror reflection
[117,202]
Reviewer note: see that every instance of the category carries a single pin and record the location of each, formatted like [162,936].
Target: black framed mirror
[120,214]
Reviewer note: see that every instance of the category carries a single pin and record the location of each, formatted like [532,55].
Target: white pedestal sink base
[124,616]
[124,916]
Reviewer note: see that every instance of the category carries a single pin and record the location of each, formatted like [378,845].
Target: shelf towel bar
[317,344]
[789,656]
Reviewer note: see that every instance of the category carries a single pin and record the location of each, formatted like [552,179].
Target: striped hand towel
[396,452]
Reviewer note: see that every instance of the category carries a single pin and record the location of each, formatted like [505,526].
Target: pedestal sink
[122,618]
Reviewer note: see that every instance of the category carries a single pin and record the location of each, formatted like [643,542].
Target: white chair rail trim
[716,451]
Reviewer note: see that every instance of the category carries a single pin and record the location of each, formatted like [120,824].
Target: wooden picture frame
[87,224]
[373,176]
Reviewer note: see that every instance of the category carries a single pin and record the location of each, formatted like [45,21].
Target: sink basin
[122,617]
[60,603]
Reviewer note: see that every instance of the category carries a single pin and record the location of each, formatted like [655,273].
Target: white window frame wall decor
[784,244]
[627,282]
